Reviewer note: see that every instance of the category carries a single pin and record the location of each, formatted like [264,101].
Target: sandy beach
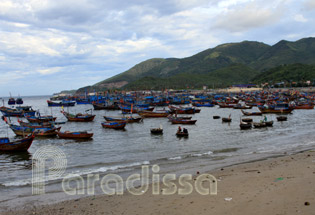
[282,185]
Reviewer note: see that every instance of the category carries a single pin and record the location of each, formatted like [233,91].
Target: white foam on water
[25,182]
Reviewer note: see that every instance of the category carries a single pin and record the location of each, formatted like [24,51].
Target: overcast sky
[51,45]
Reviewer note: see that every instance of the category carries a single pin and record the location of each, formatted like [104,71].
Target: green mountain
[226,64]
[285,52]
[287,73]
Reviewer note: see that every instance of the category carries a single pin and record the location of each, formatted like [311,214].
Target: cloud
[69,44]
[49,71]
[300,18]
[309,5]
[245,17]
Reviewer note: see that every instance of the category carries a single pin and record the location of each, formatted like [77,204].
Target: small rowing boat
[74,135]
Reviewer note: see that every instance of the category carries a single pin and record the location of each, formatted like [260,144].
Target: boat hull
[17,146]
[114,124]
[74,135]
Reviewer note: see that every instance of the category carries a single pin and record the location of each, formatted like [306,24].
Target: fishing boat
[247,120]
[41,132]
[18,111]
[151,114]
[131,109]
[238,106]
[102,106]
[74,135]
[128,119]
[35,124]
[278,108]
[225,105]
[304,106]
[64,103]
[176,120]
[259,124]
[245,125]
[39,119]
[216,117]
[170,117]
[114,124]
[229,119]
[251,113]
[183,110]
[203,104]
[157,130]
[11,101]
[282,118]
[78,117]
[269,123]
[19,101]
[16,146]
[182,134]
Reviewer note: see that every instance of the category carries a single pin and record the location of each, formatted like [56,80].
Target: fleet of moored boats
[280,103]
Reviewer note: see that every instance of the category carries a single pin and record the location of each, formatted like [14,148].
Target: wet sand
[283,185]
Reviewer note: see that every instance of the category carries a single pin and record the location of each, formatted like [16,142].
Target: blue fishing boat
[19,101]
[18,111]
[114,124]
[16,146]
[11,101]
[63,103]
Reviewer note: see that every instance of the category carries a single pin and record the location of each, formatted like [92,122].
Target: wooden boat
[245,125]
[78,117]
[19,101]
[216,117]
[151,114]
[42,132]
[16,146]
[259,125]
[183,121]
[202,104]
[40,119]
[181,134]
[114,124]
[225,105]
[269,123]
[11,101]
[279,108]
[282,118]
[226,119]
[75,135]
[304,106]
[18,111]
[178,120]
[251,113]
[170,117]
[247,120]
[102,106]
[131,109]
[128,119]
[183,110]
[156,130]
[229,119]
[35,125]
[60,103]
[242,107]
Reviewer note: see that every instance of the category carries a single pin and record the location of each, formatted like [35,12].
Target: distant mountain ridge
[230,63]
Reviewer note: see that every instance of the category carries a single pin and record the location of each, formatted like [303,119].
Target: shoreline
[280,185]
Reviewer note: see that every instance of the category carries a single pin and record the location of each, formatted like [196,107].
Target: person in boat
[179,129]
[265,118]
[185,131]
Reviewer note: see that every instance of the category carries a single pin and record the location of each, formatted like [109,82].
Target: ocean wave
[175,158]
[25,182]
